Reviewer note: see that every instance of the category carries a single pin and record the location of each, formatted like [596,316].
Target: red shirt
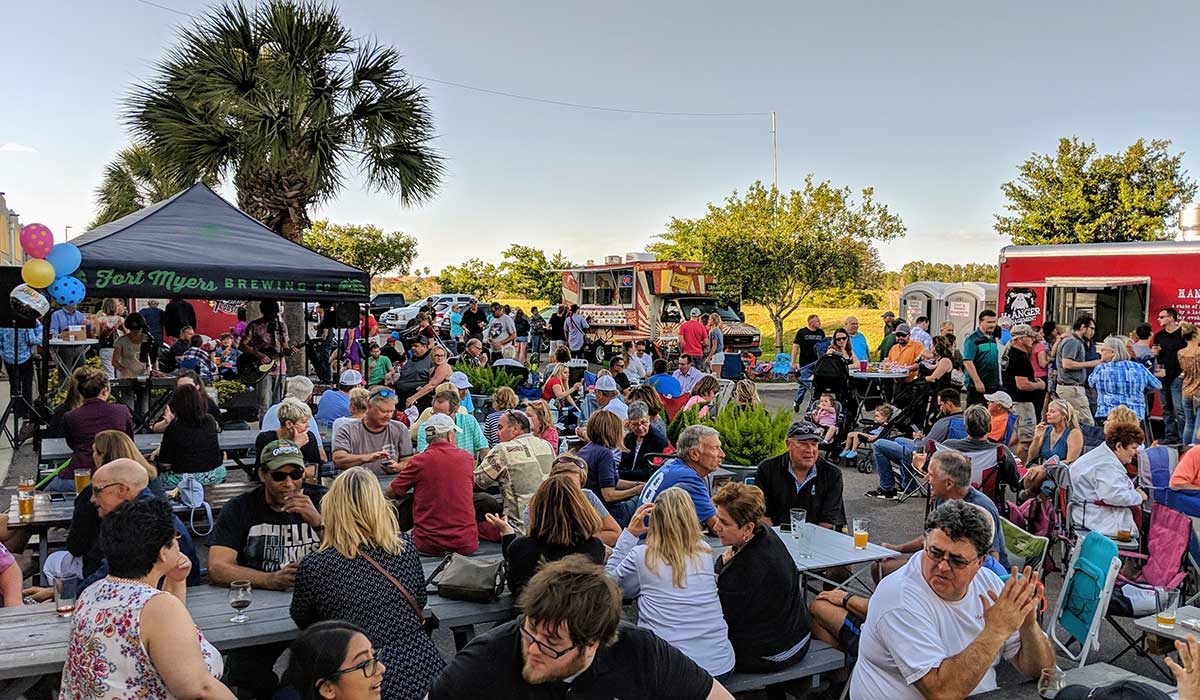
[692,335]
[548,390]
[443,482]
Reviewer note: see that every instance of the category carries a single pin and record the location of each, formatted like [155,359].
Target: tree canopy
[132,181]
[483,279]
[366,247]
[529,274]
[779,248]
[922,271]
[1076,195]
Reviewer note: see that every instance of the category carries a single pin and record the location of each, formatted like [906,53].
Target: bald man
[114,483]
[858,341]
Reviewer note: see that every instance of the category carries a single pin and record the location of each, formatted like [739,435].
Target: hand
[795,366]
[1160,372]
[1187,671]
[1143,495]
[727,555]
[168,415]
[300,504]
[391,467]
[641,516]
[410,401]
[38,593]
[153,456]
[1155,349]
[893,547]
[183,567]
[284,578]
[1013,606]
[918,461]
[834,597]
[300,437]
[376,456]
[500,524]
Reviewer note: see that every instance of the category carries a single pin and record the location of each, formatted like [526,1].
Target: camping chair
[724,394]
[1022,548]
[1165,566]
[673,406]
[1155,467]
[1080,607]
[1188,503]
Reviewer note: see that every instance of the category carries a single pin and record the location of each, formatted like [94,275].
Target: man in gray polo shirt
[1073,365]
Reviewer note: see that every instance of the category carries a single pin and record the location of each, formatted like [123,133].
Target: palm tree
[134,179]
[286,102]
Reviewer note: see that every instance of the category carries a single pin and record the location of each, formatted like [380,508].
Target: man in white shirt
[930,632]
[1099,477]
[920,332]
[608,396]
[644,357]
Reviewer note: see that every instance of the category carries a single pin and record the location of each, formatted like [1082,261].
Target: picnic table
[1148,626]
[869,384]
[830,549]
[1091,676]
[56,450]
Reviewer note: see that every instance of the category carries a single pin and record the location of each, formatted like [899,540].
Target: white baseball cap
[460,380]
[440,424]
[350,377]
[607,383]
[1000,397]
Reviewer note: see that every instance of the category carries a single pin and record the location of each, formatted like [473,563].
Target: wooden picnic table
[56,450]
[1091,676]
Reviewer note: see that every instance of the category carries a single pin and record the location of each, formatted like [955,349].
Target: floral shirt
[106,658]
[17,346]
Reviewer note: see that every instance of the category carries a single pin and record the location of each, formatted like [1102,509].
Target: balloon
[37,241]
[38,273]
[27,302]
[67,291]
[65,258]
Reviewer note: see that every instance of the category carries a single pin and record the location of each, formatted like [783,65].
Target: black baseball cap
[804,430]
[1121,690]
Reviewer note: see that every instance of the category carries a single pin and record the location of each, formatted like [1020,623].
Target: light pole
[774,154]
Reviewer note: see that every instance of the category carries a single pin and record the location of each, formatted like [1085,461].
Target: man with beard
[571,641]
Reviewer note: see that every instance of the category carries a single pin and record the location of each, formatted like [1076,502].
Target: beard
[538,675]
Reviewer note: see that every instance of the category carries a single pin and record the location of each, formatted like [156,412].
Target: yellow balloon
[38,273]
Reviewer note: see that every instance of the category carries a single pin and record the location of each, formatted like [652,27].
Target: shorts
[850,633]
[1026,420]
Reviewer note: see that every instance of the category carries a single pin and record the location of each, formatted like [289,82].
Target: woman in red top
[556,388]
[541,424]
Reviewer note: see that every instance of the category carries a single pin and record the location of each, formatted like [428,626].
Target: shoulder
[773,465]
[828,471]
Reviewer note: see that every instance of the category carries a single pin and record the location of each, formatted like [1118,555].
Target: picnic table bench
[821,658]
[234,442]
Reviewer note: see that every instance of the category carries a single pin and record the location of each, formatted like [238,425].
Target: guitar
[250,370]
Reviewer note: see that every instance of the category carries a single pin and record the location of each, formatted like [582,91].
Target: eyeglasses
[293,474]
[542,646]
[96,491]
[369,668]
[956,562]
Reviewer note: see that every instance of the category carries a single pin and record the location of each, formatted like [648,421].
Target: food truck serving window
[1117,303]
[606,287]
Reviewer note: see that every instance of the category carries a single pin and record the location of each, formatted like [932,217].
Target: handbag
[191,495]
[473,579]
[412,601]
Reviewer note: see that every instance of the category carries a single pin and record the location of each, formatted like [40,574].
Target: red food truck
[1119,284]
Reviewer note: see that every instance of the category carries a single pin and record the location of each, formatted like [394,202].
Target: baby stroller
[804,376]
[831,375]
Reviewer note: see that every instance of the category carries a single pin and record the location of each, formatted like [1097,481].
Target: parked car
[385,301]
[403,317]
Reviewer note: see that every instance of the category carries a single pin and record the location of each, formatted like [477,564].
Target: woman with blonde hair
[358,407]
[1057,436]
[558,388]
[367,572]
[673,578]
[295,424]
[109,326]
[745,394]
[541,424]
[503,400]
[561,523]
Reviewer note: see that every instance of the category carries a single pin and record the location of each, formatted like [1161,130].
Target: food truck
[640,298]
[1119,284]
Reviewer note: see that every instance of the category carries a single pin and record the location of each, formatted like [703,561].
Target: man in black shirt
[1026,390]
[474,320]
[804,345]
[800,478]
[1167,344]
[571,643]
[179,313]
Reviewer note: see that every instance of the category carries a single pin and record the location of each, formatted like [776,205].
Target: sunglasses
[956,562]
[293,474]
[385,393]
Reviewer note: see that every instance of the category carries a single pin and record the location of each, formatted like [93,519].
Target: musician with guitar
[266,342]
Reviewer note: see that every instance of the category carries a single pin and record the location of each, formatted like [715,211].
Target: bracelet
[847,598]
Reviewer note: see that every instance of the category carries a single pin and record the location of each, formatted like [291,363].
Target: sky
[933,104]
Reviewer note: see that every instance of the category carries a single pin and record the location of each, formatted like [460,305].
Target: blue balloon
[67,290]
[65,258]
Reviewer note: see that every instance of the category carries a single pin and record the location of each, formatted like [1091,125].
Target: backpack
[191,495]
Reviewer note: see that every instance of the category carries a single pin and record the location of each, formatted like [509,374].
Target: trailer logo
[1021,305]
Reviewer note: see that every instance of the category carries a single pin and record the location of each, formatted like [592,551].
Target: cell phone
[57,497]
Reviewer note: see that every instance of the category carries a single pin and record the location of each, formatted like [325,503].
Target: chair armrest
[1132,555]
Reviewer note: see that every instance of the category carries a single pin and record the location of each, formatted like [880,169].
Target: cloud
[11,147]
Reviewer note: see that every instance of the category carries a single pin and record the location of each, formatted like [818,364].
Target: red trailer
[1119,284]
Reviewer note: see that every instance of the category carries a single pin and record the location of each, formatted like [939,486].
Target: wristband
[847,599]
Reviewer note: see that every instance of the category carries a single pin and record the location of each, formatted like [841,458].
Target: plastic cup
[800,532]
[66,589]
[1168,601]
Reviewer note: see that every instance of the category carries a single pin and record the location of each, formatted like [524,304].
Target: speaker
[10,277]
[346,314]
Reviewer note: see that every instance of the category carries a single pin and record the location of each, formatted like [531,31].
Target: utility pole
[774,154]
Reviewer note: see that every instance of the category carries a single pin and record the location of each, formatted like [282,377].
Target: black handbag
[473,579]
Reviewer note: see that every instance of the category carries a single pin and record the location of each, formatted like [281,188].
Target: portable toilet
[923,299]
[964,301]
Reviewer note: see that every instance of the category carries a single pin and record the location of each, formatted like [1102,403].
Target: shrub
[486,380]
[748,435]
[227,389]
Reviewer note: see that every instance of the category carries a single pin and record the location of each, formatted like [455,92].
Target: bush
[748,435]
[227,389]
[486,380]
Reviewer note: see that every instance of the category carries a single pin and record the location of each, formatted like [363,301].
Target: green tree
[287,102]
[1077,196]
[780,248]
[133,180]
[922,271]
[366,247]
[683,240]
[528,273]
[483,279]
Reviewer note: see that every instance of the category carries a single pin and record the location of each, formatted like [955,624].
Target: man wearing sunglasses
[571,642]
[376,442]
[938,626]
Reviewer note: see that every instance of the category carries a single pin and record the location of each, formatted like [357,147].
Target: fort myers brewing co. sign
[172,282]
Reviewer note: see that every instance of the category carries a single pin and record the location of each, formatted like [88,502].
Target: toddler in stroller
[883,413]
[826,416]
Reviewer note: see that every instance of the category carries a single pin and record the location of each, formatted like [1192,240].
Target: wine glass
[239,599]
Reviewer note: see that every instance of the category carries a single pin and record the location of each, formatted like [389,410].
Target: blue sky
[934,104]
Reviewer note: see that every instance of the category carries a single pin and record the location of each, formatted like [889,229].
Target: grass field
[870,322]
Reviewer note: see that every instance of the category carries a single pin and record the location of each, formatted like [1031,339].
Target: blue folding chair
[1083,601]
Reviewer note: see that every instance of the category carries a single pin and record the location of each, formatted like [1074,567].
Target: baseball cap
[460,380]
[350,377]
[1000,397]
[695,311]
[902,329]
[440,424]
[1121,690]
[606,383]
[280,453]
[1022,330]
[888,314]
[804,430]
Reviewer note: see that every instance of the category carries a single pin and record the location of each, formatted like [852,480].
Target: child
[227,356]
[883,414]
[377,366]
[825,415]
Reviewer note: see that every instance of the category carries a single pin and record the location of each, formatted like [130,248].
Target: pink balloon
[36,240]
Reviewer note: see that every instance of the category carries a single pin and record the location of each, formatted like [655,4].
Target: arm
[1115,489]
[1025,385]
[622,566]
[969,368]
[610,531]
[1035,445]
[343,459]
[1068,363]
[223,569]
[10,586]
[170,638]
[1074,445]
[619,493]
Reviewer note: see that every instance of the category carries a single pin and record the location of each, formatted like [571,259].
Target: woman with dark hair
[189,444]
[142,637]
[840,346]
[1101,485]
[759,585]
[940,359]
[604,479]
[332,660]
[184,377]
[127,350]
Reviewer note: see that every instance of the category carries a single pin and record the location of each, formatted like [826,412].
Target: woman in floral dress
[129,639]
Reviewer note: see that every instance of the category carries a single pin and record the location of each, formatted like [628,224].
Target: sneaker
[850,454]
[881,495]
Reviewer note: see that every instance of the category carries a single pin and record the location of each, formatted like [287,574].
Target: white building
[10,235]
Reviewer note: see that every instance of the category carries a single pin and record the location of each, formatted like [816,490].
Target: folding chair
[1022,548]
[1084,598]
[1188,503]
[724,394]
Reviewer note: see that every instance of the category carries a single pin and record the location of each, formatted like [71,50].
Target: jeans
[885,453]
[1191,412]
[1174,412]
[60,484]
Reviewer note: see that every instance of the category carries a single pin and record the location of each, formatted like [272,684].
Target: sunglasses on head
[385,393]
[282,476]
